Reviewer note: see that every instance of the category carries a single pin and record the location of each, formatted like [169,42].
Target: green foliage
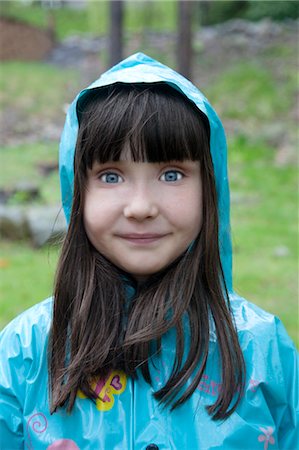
[276,10]
[212,12]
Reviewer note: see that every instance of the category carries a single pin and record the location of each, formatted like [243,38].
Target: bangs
[154,122]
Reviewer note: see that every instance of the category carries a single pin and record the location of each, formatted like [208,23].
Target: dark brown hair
[88,337]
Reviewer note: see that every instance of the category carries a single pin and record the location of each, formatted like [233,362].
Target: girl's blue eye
[171,176]
[111,178]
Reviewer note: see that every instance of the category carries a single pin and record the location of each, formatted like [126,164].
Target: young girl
[144,344]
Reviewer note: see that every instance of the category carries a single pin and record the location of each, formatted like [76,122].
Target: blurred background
[243,55]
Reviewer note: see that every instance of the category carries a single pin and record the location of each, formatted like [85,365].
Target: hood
[140,68]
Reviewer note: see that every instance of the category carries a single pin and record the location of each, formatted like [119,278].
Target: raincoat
[125,414]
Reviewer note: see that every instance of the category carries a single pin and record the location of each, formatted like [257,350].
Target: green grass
[33,95]
[36,89]
[257,98]
[264,219]
[154,15]
[26,277]
[94,19]
[20,164]
[67,21]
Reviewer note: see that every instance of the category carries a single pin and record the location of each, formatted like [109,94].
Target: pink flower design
[38,424]
[63,444]
[266,437]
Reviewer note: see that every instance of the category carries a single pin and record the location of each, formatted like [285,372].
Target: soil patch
[21,41]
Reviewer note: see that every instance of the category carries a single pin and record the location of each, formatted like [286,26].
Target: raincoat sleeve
[11,385]
[23,350]
[288,431]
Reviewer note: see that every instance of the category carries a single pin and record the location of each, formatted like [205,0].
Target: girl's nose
[140,207]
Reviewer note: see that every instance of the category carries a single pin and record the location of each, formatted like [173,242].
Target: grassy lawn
[26,277]
[264,231]
[36,92]
[94,20]
[29,157]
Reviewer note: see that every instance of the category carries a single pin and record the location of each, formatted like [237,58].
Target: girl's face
[142,216]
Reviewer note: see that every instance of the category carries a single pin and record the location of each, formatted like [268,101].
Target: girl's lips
[142,238]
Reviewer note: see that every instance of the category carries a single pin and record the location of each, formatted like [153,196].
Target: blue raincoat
[126,415]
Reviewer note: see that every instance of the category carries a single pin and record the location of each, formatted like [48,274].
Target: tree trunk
[51,24]
[116,32]
[184,43]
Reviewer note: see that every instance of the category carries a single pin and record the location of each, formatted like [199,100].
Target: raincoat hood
[140,68]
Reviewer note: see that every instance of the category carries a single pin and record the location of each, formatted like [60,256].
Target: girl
[145,345]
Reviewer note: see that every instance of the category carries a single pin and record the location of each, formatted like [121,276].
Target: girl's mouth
[138,238]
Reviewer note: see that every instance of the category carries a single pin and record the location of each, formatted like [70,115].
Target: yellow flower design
[105,389]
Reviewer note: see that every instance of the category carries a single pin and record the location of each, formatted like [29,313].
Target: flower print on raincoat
[125,414]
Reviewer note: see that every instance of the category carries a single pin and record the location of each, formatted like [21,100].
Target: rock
[281,251]
[40,224]
[74,49]
[5,195]
[45,223]
[266,28]
[13,223]
[21,193]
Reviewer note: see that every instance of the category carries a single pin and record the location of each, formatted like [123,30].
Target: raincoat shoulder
[272,366]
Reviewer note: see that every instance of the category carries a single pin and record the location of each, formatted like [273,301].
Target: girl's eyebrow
[97,164]
[125,163]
